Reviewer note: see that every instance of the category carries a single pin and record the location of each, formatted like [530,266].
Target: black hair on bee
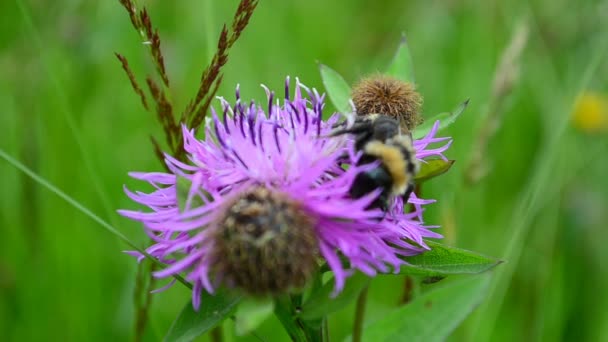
[379,137]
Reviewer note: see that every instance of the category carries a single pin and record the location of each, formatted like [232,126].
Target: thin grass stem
[71,201]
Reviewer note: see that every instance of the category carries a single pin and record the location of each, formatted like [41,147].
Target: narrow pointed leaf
[321,303]
[251,313]
[190,324]
[433,315]
[443,260]
[401,66]
[445,120]
[432,168]
[337,89]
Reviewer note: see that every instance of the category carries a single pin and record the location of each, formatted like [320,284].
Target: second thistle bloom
[267,199]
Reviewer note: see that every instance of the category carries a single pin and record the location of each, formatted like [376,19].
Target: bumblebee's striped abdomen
[392,160]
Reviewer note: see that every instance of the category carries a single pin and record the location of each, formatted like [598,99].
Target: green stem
[324,331]
[217,334]
[408,290]
[360,315]
[143,298]
[284,312]
[137,302]
[408,283]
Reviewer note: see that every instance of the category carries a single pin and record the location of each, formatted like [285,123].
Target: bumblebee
[379,137]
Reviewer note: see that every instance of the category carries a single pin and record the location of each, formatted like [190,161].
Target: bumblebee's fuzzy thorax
[265,243]
[380,138]
[389,96]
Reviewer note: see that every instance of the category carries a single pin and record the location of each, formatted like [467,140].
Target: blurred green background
[68,113]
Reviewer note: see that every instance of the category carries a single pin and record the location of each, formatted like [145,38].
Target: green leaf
[320,303]
[190,324]
[401,66]
[337,89]
[443,260]
[432,168]
[251,313]
[445,119]
[183,186]
[433,315]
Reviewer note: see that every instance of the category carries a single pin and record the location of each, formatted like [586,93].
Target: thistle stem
[217,334]
[408,290]
[408,284]
[143,298]
[360,315]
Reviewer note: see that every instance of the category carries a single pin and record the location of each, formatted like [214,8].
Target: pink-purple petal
[288,151]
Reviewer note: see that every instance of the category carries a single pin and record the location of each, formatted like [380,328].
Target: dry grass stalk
[134,84]
[195,112]
[164,112]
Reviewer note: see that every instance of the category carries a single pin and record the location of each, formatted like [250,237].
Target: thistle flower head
[265,242]
[388,95]
[268,200]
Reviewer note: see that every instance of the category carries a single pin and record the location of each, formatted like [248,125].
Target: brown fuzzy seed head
[387,95]
[265,244]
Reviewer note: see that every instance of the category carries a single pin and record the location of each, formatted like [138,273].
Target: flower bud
[265,243]
[383,94]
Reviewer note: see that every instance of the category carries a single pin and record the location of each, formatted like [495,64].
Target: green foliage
[443,260]
[445,120]
[286,315]
[402,66]
[337,89]
[214,309]
[251,313]
[432,168]
[541,206]
[431,316]
[321,302]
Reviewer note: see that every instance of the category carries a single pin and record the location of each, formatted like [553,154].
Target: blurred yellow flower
[590,113]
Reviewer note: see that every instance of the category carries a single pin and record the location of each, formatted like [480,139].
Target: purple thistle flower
[283,173]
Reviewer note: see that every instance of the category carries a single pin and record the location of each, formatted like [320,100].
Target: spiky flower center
[387,95]
[265,243]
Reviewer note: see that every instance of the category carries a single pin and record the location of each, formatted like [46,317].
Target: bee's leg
[362,139]
[384,207]
[338,124]
[354,129]
[408,192]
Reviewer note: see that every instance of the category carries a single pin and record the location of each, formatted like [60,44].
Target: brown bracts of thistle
[265,244]
[382,94]
[196,110]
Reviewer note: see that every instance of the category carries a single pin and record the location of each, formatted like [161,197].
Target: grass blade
[86,211]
